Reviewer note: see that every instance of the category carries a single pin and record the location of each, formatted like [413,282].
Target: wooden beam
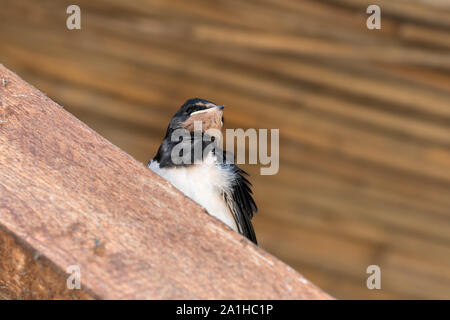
[69,197]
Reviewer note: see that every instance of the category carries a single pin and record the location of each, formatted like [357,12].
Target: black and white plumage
[212,180]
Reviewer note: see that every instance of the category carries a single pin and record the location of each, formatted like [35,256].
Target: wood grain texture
[73,198]
[364,116]
[25,274]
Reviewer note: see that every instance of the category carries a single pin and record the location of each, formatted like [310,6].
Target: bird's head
[198,110]
[182,133]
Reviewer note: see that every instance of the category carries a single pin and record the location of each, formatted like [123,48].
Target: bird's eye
[193,109]
[196,108]
[189,110]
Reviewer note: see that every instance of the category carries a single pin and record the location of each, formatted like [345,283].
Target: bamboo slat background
[364,116]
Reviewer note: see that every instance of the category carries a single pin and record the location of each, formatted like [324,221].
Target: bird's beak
[220,107]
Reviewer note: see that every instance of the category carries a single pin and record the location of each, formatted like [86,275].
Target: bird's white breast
[203,183]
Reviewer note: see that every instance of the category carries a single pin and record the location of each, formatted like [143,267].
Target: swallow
[209,177]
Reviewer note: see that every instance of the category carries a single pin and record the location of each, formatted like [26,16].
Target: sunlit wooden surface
[364,116]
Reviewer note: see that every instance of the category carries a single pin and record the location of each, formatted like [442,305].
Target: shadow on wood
[69,197]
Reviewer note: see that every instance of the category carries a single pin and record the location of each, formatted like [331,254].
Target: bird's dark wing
[240,202]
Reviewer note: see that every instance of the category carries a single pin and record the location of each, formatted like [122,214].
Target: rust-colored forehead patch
[210,119]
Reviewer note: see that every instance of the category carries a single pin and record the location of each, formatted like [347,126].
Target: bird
[210,177]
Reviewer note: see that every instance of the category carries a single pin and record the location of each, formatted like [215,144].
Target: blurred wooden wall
[364,116]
